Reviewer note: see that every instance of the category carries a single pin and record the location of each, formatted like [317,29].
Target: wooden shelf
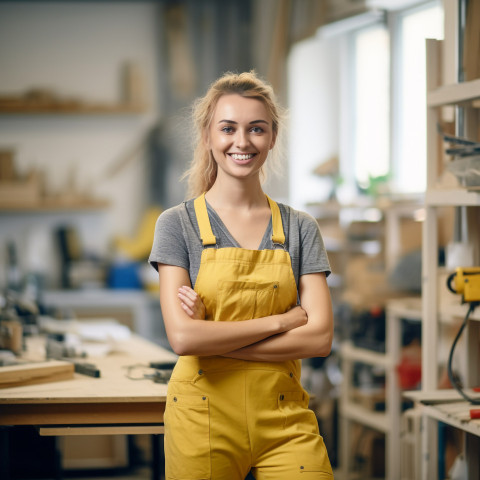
[451,197]
[407,308]
[357,413]
[54,206]
[447,406]
[370,357]
[454,94]
[456,419]
[7,108]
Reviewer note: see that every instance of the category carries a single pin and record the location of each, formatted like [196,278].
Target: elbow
[180,344]
[324,344]
[324,351]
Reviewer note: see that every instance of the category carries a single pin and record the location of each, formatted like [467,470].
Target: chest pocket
[245,300]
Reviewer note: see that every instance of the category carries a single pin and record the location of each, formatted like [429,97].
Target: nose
[241,138]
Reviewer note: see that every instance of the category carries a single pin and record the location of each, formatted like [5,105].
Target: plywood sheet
[34,373]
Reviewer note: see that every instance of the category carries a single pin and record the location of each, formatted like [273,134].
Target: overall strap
[206,234]
[278,235]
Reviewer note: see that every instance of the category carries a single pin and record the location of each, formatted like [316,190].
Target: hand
[191,303]
[295,317]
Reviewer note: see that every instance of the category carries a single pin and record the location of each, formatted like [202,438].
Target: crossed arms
[302,332]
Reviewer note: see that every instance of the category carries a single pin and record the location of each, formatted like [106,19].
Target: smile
[247,156]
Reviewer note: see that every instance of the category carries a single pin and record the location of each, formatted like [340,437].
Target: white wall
[78,50]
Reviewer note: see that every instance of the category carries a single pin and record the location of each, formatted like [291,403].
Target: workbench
[109,405]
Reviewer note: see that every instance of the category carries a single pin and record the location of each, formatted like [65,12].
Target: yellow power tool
[466,281]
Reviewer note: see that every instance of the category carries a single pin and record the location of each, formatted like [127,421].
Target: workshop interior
[381,147]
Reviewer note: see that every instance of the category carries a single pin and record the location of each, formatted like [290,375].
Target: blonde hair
[202,172]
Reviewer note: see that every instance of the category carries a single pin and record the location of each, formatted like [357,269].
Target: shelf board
[53,206]
[363,416]
[409,308]
[349,352]
[439,396]
[68,109]
[451,197]
[447,406]
[457,419]
[449,312]
[454,94]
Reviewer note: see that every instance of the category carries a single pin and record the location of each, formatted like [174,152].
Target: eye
[257,129]
[227,129]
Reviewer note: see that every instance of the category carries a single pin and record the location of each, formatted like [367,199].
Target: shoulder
[299,219]
[173,213]
[175,217]
[171,222]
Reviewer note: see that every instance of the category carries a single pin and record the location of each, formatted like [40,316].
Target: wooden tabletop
[111,399]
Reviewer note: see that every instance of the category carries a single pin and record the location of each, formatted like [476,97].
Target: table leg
[158,457]
[4,454]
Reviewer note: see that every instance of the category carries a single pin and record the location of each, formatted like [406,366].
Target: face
[240,136]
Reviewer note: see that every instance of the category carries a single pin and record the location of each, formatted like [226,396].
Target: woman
[259,303]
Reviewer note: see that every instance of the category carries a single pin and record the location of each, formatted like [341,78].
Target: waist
[190,367]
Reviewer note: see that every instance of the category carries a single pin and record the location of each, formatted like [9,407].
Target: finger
[189,292]
[187,309]
[185,299]
[192,303]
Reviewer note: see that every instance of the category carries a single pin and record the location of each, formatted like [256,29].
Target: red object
[409,374]
[476,389]
[475,413]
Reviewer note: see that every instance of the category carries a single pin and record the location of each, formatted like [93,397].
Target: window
[410,153]
[359,94]
[371,129]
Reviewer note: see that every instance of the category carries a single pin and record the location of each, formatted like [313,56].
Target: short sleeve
[313,256]
[169,245]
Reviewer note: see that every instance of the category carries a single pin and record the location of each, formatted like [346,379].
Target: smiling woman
[241,134]
[232,266]
[203,169]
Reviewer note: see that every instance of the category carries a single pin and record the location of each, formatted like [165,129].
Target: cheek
[219,143]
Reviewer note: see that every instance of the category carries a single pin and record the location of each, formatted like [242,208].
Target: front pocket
[187,437]
[301,426]
[245,300]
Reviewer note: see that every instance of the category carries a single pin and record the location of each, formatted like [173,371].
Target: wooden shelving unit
[386,217]
[389,421]
[436,405]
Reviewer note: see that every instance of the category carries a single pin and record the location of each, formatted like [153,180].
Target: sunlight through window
[411,152]
[371,93]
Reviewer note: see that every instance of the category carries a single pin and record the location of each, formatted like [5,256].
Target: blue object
[124,275]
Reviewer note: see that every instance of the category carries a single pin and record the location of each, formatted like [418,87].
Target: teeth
[235,156]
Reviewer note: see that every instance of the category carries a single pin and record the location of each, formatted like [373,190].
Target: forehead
[237,108]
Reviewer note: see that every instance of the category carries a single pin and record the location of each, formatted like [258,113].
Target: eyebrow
[250,123]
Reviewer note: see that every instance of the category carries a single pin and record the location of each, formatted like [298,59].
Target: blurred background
[95,100]
[94,114]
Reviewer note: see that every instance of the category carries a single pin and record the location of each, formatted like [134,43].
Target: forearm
[302,342]
[203,337]
[311,340]
[193,336]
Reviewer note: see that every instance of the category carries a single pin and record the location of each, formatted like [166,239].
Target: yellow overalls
[226,416]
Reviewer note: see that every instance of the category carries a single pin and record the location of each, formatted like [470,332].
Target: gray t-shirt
[177,240]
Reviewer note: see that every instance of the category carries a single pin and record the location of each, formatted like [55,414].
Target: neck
[244,194]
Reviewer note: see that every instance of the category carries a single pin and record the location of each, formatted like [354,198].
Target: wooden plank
[68,108]
[454,94]
[61,431]
[82,413]
[34,373]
